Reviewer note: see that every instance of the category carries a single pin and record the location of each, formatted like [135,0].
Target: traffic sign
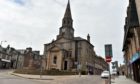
[113,67]
[108,59]
[108,50]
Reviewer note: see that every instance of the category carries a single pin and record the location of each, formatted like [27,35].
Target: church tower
[67,31]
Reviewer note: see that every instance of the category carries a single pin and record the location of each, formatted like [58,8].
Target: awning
[135,57]
[5,60]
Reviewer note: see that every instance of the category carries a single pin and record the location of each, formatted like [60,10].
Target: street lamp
[2,42]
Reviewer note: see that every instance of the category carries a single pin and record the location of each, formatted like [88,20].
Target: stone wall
[138,8]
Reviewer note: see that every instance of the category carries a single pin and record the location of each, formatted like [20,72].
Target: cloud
[19,2]
[25,23]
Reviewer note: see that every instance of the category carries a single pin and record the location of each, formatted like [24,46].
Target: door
[65,65]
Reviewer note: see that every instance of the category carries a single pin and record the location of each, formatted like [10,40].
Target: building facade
[100,65]
[11,58]
[131,44]
[32,59]
[5,57]
[68,52]
[122,69]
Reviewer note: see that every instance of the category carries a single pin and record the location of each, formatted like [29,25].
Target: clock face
[63,30]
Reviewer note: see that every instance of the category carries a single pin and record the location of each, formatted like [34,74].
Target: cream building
[68,52]
[131,43]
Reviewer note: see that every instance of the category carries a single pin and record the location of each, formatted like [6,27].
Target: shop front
[135,63]
[4,64]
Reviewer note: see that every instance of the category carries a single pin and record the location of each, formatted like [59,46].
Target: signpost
[108,56]
[108,50]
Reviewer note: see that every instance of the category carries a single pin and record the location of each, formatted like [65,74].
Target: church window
[55,60]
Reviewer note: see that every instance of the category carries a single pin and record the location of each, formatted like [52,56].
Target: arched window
[54,59]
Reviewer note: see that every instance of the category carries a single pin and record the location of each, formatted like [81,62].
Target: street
[6,78]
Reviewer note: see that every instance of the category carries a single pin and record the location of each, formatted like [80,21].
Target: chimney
[88,38]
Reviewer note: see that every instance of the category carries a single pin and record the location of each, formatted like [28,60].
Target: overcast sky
[33,23]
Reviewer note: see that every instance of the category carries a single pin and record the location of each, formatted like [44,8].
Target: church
[68,52]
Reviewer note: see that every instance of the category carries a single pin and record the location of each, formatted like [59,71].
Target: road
[6,78]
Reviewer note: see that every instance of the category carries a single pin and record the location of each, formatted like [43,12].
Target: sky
[33,23]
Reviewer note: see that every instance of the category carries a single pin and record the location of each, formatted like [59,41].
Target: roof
[81,39]
[78,38]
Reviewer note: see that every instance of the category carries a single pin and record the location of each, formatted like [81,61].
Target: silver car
[105,74]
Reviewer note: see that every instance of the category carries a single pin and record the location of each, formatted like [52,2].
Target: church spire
[67,20]
[67,31]
[68,11]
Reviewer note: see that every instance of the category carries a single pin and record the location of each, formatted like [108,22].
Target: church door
[65,65]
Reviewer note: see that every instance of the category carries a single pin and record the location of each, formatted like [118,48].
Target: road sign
[108,59]
[113,63]
[108,50]
[113,67]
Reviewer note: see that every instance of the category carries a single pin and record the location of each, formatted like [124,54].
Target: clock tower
[67,31]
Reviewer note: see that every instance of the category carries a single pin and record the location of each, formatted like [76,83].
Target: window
[70,54]
[55,60]
[64,21]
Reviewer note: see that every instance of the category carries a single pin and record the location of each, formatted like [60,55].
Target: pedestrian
[118,73]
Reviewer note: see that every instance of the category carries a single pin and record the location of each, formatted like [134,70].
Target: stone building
[5,58]
[122,69]
[68,52]
[131,43]
[11,58]
[100,65]
[20,58]
[32,59]
[8,57]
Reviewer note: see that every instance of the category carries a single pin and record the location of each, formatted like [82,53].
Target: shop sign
[135,57]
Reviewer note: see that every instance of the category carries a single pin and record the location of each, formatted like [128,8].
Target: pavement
[47,77]
[123,80]
[65,79]
[70,78]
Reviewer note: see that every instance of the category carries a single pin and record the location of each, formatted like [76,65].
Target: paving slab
[123,80]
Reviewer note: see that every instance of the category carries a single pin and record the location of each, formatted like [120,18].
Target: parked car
[105,74]
[114,73]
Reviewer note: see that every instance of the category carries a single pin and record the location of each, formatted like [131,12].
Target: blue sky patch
[20,2]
